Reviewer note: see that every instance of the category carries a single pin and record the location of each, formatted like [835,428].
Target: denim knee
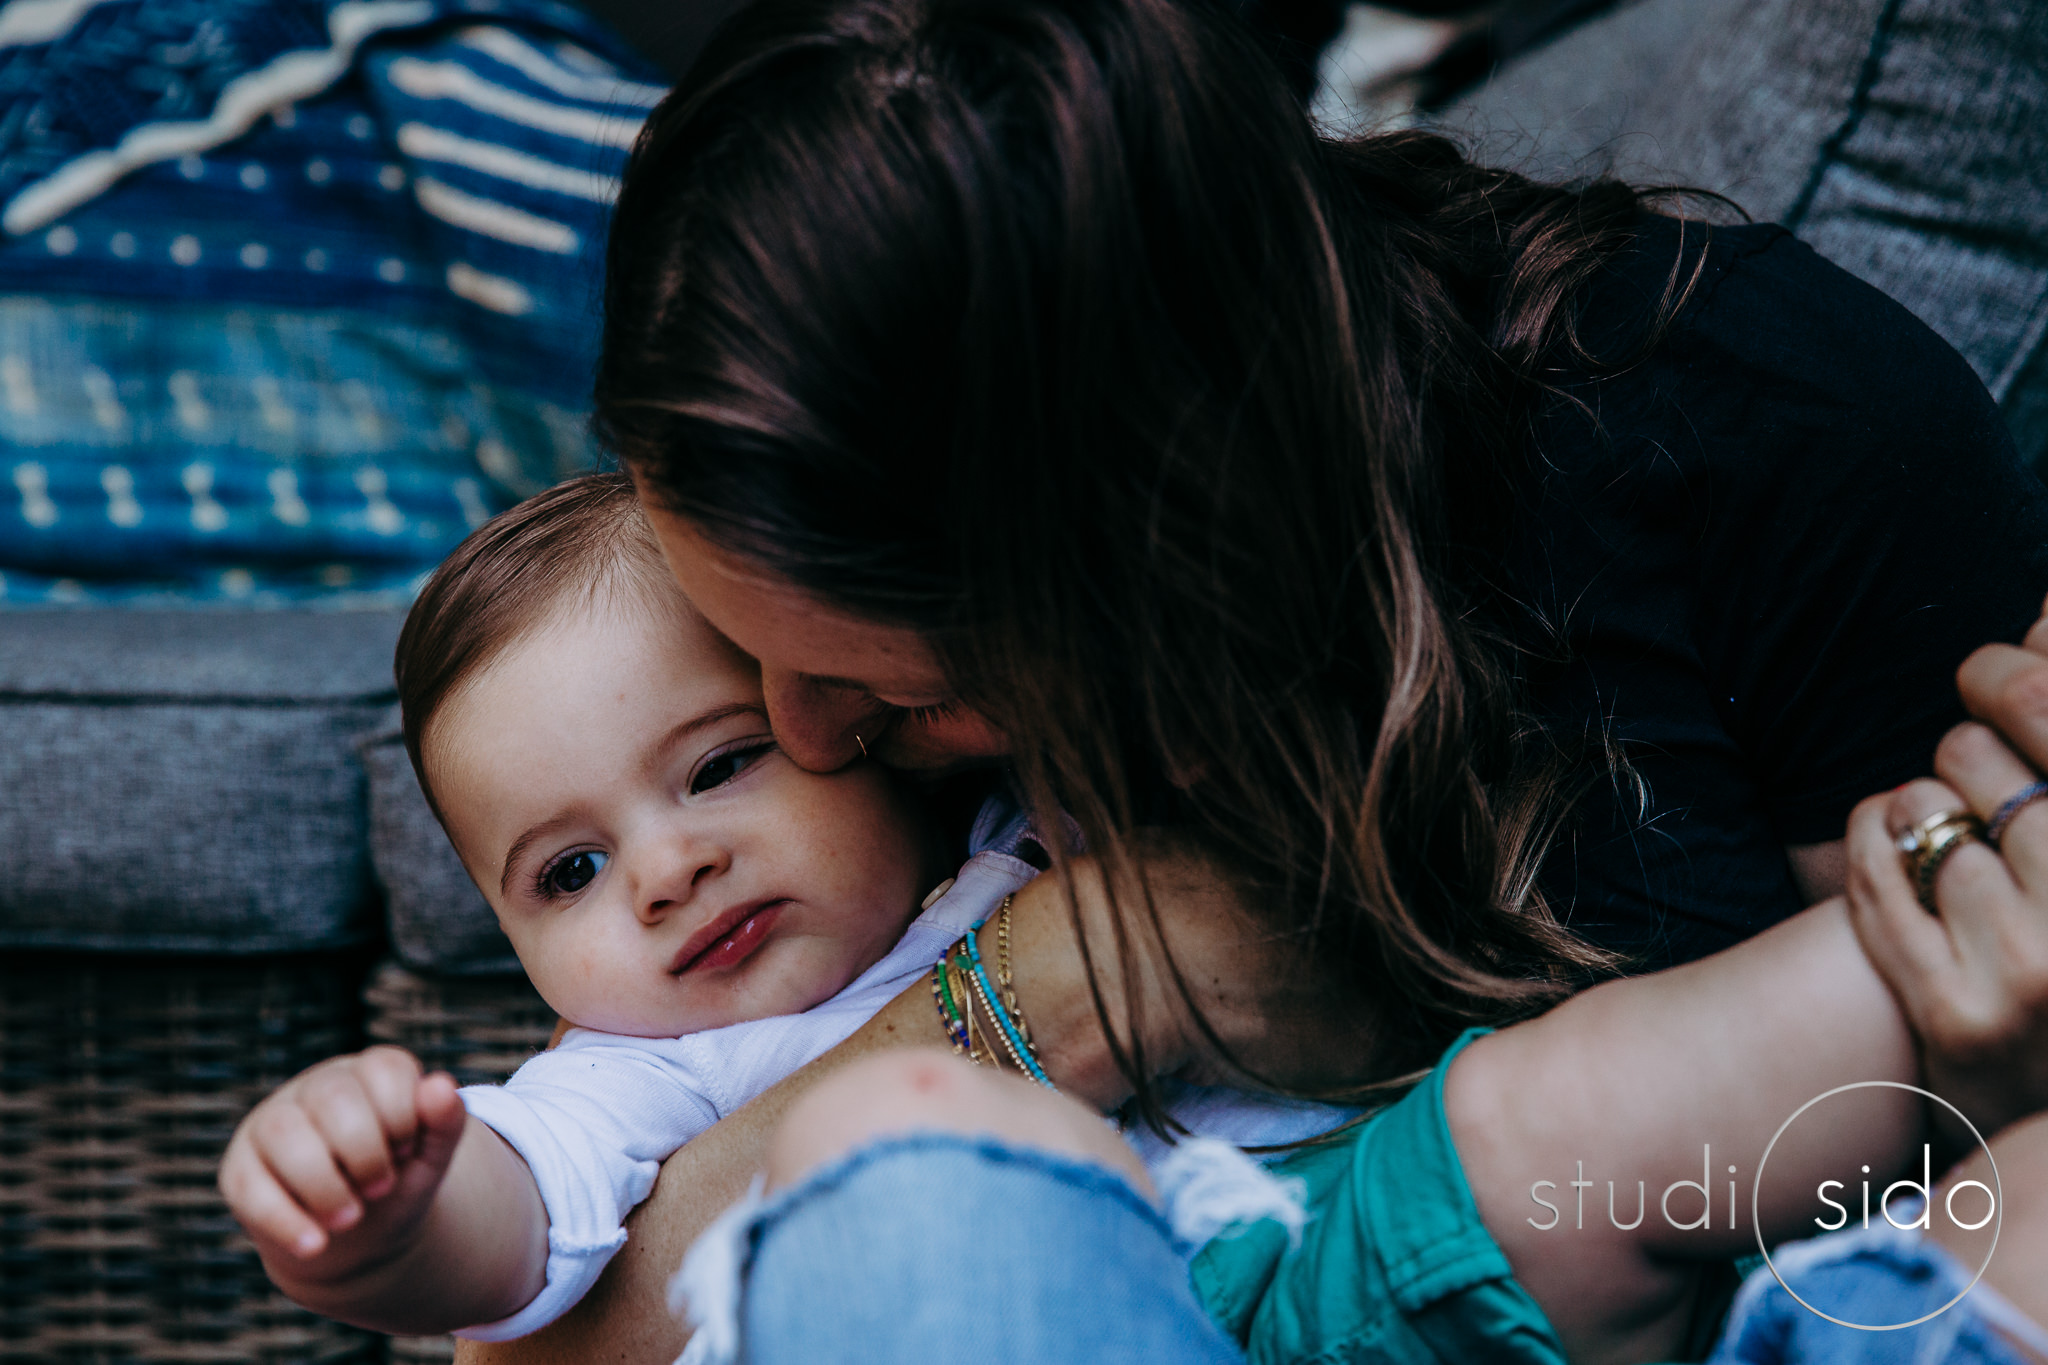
[931,1245]
[1875,1276]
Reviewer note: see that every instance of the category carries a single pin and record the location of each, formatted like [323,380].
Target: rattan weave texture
[478,1028]
[120,1083]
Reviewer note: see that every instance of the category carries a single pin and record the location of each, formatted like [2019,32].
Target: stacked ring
[1928,844]
[2013,805]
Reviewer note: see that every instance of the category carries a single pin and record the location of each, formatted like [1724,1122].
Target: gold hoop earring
[862,745]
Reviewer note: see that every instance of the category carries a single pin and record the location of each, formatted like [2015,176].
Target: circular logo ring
[1997,1191]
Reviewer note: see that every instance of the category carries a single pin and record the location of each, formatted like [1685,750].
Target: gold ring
[1927,845]
[862,744]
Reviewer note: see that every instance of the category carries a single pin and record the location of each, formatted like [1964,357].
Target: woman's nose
[671,871]
[820,726]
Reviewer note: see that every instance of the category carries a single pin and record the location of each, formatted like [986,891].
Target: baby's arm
[374,1198]
[1638,1080]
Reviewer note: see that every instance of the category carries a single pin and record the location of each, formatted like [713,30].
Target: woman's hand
[1973,982]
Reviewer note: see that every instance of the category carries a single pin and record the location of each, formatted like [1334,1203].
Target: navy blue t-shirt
[1768,545]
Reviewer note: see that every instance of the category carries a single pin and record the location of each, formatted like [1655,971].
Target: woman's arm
[1674,1078]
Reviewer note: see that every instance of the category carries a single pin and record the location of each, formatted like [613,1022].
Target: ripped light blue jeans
[937,1247]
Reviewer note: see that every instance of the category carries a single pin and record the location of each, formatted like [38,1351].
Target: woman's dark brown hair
[586,536]
[1052,329]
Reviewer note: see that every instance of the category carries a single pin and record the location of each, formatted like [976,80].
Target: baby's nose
[674,873]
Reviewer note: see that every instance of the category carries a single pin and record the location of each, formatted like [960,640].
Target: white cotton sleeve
[593,1120]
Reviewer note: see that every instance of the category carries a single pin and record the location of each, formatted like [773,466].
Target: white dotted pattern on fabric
[471,497]
[379,511]
[106,402]
[208,516]
[17,387]
[285,503]
[32,481]
[122,507]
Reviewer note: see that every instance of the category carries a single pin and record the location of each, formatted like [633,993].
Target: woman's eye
[720,769]
[567,875]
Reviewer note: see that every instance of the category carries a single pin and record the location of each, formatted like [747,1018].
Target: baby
[709,917]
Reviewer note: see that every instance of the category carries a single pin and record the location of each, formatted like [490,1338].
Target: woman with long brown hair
[1475,586]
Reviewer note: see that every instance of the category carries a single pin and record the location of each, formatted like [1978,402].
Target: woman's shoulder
[1759,310]
[1769,359]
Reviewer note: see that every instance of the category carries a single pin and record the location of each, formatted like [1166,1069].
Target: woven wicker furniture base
[478,1028]
[120,1083]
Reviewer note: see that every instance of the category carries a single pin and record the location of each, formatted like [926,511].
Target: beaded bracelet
[1019,1049]
[1003,978]
[1009,1044]
[949,1013]
[978,1050]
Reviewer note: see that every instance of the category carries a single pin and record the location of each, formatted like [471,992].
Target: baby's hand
[336,1170]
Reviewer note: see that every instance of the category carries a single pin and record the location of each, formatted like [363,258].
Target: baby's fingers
[297,1157]
[348,1121]
[390,1078]
[442,1121]
[262,1206]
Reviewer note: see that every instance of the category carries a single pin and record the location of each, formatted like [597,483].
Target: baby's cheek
[861,833]
[565,973]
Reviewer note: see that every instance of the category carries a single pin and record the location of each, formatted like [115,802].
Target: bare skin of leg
[2015,1269]
[924,1090]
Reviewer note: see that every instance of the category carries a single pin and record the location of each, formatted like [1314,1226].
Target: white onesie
[595,1117]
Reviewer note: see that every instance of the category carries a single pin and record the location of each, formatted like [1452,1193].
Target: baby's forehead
[654,613]
[571,670]
[624,619]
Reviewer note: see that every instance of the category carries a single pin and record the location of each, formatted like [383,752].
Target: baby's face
[611,784]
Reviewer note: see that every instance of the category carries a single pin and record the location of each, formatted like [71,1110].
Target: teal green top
[1394,1265]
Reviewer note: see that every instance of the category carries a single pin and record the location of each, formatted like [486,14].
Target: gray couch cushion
[1735,96]
[188,781]
[1906,140]
[437,919]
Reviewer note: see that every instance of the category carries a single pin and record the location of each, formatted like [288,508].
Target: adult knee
[924,1090]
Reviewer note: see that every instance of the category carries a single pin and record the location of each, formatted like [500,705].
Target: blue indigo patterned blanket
[293,294]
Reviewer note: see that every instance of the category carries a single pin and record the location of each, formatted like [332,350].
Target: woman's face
[828,676]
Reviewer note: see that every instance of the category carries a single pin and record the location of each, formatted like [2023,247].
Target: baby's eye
[722,768]
[567,875]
